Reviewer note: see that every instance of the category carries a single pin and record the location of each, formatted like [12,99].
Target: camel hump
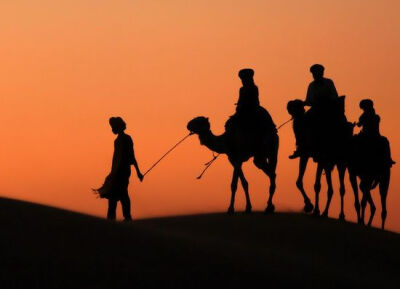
[257,122]
[372,153]
[266,118]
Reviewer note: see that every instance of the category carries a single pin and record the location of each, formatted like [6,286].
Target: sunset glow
[67,66]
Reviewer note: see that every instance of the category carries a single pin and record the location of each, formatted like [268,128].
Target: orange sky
[67,66]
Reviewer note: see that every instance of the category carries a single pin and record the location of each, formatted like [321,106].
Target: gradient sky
[67,66]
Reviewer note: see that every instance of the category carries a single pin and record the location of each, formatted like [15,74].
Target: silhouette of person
[326,117]
[249,113]
[115,187]
[321,90]
[248,93]
[369,120]
[370,141]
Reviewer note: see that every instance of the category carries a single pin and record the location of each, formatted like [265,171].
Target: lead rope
[170,150]
[208,164]
[283,124]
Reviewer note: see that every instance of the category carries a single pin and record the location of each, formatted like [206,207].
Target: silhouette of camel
[341,164]
[327,168]
[369,182]
[324,129]
[337,155]
[369,160]
[359,161]
[239,148]
[373,170]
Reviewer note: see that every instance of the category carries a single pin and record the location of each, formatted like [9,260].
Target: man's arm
[309,96]
[240,98]
[332,89]
[135,164]
[134,161]
[360,121]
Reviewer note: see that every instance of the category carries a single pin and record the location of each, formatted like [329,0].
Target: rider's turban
[117,122]
[317,68]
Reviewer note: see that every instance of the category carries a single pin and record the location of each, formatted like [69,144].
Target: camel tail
[374,184]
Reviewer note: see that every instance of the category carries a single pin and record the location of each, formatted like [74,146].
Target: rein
[170,150]
[283,124]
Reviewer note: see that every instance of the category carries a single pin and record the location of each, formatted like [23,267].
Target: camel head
[199,125]
[295,107]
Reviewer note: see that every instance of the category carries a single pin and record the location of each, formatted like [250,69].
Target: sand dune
[44,247]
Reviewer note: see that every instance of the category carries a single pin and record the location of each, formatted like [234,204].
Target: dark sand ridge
[44,247]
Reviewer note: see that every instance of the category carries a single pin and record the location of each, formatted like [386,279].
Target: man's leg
[126,206]
[112,208]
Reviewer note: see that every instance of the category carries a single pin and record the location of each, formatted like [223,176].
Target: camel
[336,155]
[240,145]
[353,158]
[327,168]
[369,179]
[373,171]
[341,160]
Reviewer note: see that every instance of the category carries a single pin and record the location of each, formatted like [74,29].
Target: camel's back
[251,131]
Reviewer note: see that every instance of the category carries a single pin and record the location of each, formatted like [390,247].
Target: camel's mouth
[190,127]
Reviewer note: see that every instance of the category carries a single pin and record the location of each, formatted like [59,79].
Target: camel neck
[213,142]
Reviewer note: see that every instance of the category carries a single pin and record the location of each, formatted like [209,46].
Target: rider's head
[367,104]
[317,71]
[117,124]
[246,75]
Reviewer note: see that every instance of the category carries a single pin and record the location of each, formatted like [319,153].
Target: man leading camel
[115,187]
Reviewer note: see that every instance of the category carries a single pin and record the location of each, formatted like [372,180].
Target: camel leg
[383,190]
[317,189]
[363,206]
[308,206]
[353,181]
[245,186]
[266,168]
[365,187]
[271,172]
[373,209]
[269,168]
[235,179]
[363,200]
[383,193]
[342,172]
[328,174]
[270,206]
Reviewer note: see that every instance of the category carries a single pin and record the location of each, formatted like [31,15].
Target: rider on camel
[369,120]
[308,126]
[249,113]
[248,94]
[326,118]
[321,90]
[369,135]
